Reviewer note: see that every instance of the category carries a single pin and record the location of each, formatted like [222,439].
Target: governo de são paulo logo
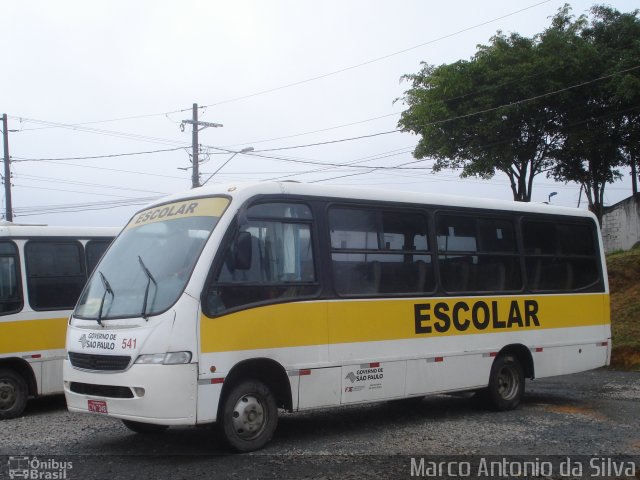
[83,340]
[351,376]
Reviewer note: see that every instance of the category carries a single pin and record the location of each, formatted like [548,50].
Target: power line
[113,155]
[104,203]
[131,117]
[374,60]
[109,133]
[467,115]
[87,184]
[70,191]
[318,77]
[120,170]
[84,207]
[330,141]
[315,131]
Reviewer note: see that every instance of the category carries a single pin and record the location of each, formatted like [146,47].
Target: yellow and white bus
[42,272]
[225,304]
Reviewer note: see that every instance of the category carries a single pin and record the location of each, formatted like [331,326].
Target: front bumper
[161,394]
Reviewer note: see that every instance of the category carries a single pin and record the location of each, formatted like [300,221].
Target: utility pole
[195,146]
[7,170]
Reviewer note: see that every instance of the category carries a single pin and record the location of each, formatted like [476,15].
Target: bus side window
[560,256]
[55,274]
[478,254]
[94,251]
[282,266]
[379,253]
[10,285]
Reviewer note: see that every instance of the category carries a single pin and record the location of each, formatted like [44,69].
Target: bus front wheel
[249,416]
[13,393]
[506,384]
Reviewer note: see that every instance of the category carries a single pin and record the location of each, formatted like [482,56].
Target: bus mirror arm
[243,250]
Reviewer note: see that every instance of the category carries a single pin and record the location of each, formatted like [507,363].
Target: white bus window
[10,291]
[55,274]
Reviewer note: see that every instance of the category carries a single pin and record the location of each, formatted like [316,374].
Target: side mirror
[243,251]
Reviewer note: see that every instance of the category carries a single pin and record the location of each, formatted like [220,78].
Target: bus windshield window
[167,248]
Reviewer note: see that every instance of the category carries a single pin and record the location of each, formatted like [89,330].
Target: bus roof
[243,191]
[8,229]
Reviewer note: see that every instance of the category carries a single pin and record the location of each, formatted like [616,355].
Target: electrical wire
[113,155]
[318,77]
[374,60]
[86,184]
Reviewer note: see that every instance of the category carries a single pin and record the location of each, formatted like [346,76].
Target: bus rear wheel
[144,428]
[506,384]
[249,416]
[13,394]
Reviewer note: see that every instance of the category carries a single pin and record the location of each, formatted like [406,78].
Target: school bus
[226,304]
[42,272]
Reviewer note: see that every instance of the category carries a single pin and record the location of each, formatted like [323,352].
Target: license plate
[97,406]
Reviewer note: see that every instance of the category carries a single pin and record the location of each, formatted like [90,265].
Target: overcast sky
[97,78]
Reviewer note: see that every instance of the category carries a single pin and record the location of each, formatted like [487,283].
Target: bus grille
[99,362]
[101,390]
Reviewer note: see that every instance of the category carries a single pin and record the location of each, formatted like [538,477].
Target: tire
[249,416]
[144,428]
[506,384]
[13,394]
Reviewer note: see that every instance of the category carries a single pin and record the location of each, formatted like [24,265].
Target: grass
[624,283]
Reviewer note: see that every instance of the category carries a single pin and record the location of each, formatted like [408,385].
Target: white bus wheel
[13,393]
[506,383]
[249,416]
[144,428]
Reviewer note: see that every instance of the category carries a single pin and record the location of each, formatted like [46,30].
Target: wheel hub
[507,383]
[8,395]
[249,418]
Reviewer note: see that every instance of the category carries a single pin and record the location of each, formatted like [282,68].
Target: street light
[551,195]
[244,150]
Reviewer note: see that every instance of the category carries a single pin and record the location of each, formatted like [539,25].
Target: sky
[112,79]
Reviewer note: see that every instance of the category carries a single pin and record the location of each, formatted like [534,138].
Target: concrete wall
[621,224]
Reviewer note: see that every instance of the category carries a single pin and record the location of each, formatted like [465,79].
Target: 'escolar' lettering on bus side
[482,315]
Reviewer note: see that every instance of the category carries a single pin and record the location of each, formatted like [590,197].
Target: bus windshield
[148,266]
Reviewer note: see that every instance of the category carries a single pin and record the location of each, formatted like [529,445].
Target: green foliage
[463,115]
[508,109]
[599,119]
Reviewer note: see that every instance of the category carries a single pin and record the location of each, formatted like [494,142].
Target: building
[621,224]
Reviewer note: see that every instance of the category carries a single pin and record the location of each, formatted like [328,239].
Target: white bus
[42,272]
[225,304]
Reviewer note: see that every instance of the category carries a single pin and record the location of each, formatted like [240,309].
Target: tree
[565,102]
[471,114]
[617,36]
[598,120]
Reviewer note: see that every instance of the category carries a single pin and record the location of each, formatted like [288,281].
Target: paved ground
[593,413]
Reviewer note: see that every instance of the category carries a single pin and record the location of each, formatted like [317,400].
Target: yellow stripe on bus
[32,335]
[351,321]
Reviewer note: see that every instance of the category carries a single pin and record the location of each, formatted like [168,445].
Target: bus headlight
[170,358]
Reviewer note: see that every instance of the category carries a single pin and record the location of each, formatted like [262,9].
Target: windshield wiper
[146,290]
[107,289]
